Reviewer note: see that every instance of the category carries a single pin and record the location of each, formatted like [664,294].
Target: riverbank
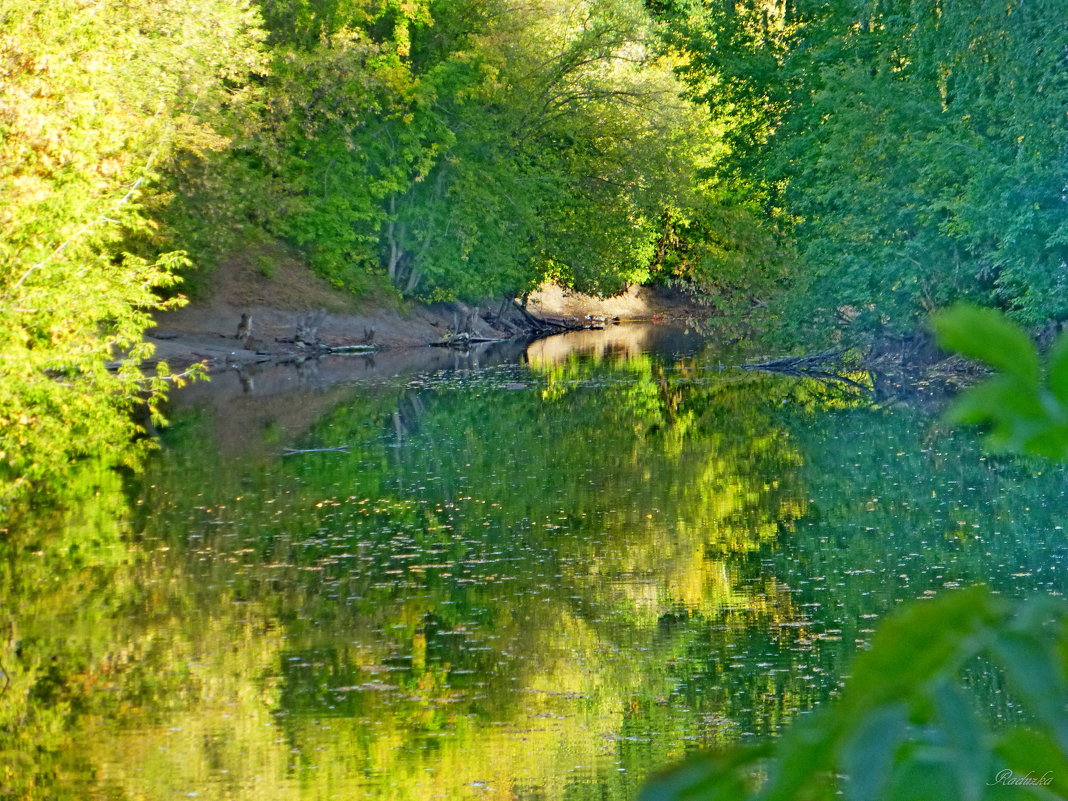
[292,313]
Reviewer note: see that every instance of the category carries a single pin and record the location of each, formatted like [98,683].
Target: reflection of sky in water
[521,581]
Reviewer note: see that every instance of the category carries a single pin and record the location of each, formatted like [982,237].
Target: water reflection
[616,342]
[535,581]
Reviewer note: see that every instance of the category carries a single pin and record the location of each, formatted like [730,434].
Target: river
[538,572]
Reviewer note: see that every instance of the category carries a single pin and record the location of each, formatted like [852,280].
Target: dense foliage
[464,148]
[95,101]
[914,149]
[451,148]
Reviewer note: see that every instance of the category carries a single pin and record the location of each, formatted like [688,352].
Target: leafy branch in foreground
[905,726]
[1025,404]
[97,102]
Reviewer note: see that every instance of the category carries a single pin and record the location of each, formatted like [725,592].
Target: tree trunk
[413,280]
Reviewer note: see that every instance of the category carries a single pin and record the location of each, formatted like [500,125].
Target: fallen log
[797,362]
[814,366]
[463,340]
[349,348]
[540,323]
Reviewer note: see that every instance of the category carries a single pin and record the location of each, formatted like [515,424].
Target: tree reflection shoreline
[549,590]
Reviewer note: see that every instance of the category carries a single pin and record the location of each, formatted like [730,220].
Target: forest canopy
[915,151]
[462,149]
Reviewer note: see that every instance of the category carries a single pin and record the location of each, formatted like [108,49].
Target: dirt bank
[278,295]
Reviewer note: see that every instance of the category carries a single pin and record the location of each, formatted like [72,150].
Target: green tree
[95,101]
[462,149]
[913,150]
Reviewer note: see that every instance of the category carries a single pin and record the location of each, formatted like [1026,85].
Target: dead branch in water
[797,362]
[294,451]
[540,323]
[814,366]
[462,340]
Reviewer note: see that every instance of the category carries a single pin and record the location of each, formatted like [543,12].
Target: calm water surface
[535,574]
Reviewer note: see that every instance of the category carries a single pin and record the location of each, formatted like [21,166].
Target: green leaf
[969,751]
[1002,398]
[1058,368]
[1025,751]
[921,774]
[708,776]
[986,334]
[1014,410]
[805,758]
[1048,440]
[1033,668]
[868,753]
[918,643]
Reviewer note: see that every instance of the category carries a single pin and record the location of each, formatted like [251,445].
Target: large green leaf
[1035,673]
[1028,751]
[968,751]
[915,645]
[709,776]
[1057,371]
[804,763]
[867,755]
[986,334]
[1002,399]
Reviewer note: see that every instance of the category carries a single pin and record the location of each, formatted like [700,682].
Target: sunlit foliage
[449,148]
[96,99]
[463,148]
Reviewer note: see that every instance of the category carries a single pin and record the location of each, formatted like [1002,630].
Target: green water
[534,575]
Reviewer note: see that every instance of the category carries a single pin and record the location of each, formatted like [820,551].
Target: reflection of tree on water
[107,644]
[549,624]
[491,584]
[529,579]
[405,419]
[615,342]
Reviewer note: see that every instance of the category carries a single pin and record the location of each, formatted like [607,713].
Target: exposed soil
[637,303]
[278,292]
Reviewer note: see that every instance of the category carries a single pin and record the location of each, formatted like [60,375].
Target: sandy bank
[280,298]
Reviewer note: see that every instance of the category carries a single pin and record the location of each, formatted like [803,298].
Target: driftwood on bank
[308,327]
[466,331]
[463,339]
[348,348]
[543,325]
[306,337]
